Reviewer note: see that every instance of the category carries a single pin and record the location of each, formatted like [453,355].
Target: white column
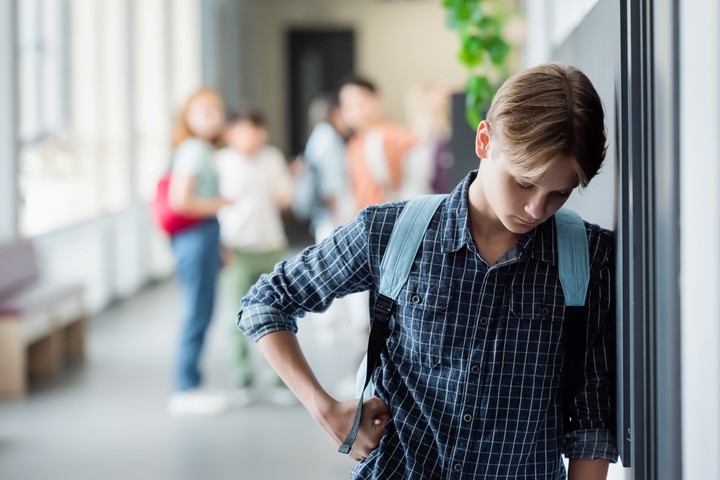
[8,122]
[700,237]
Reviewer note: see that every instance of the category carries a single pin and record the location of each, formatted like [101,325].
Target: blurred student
[255,177]
[194,192]
[426,165]
[377,149]
[325,160]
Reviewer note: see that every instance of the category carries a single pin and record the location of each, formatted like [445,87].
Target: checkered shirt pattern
[474,358]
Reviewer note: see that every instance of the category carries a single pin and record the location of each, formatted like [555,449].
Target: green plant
[483,50]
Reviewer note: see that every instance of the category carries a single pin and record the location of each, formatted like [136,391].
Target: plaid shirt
[473,362]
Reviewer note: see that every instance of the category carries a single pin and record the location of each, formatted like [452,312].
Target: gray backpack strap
[573,256]
[405,239]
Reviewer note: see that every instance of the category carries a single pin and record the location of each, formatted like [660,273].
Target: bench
[42,324]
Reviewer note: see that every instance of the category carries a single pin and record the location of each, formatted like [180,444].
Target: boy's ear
[482,139]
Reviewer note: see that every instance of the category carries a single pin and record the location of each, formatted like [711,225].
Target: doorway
[318,60]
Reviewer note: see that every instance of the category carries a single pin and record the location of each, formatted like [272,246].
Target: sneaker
[242,397]
[197,402]
[280,396]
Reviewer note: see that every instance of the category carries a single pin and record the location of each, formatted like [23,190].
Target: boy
[376,150]
[255,178]
[468,385]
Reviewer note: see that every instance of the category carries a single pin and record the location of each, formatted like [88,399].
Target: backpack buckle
[383,308]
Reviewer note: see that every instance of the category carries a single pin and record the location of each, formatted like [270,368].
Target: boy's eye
[563,194]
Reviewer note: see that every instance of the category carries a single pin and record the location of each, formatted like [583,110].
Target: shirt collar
[455,221]
[539,243]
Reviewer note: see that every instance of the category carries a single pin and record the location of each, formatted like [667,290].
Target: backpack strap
[574,272]
[407,234]
[573,256]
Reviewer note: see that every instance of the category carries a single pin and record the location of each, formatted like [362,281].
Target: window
[98,83]
[166,69]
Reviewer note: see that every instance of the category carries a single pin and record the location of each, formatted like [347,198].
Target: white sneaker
[242,397]
[197,402]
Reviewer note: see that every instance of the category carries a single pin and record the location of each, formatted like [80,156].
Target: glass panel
[152,116]
[73,111]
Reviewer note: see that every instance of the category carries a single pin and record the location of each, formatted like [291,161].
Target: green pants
[242,273]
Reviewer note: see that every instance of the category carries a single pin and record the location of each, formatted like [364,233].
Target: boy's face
[245,137]
[521,204]
[359,107]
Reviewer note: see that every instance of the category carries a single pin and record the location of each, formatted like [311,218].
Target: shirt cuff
[591,445]
[256,321]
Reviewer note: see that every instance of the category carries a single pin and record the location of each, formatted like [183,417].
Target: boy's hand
[339,419]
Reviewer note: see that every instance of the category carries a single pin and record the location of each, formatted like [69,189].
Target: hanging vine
[483,50]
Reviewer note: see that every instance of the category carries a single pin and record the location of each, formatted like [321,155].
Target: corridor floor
[107,418]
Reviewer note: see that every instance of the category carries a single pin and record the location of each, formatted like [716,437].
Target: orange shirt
[375,163]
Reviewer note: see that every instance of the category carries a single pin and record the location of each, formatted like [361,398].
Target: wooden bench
[42,324]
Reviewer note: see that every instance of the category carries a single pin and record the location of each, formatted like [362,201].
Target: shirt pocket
[532,350]
[421,321]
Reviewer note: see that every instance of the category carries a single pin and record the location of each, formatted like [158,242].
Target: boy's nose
[536,207]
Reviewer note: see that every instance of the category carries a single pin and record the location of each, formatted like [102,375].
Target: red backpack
[169,221]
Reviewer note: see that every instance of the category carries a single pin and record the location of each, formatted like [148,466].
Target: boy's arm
[337,266]
[285,356]
[183,201]
[588,469]
[593,420]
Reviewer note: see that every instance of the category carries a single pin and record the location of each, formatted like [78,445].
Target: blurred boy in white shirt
[255,177]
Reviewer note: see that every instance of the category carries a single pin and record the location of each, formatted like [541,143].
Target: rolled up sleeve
[309,282]
[256,321]
[591,445]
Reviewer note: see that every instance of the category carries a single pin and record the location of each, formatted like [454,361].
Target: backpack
[307,200]
[405,239]
[169,221]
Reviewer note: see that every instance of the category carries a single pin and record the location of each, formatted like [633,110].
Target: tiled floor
[107,419]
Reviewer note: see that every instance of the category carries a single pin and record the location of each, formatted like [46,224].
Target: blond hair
[548,112]
[181,129]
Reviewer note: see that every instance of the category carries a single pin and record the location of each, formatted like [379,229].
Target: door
[318,61]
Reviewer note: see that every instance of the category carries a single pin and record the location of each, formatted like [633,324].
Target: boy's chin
[517,225]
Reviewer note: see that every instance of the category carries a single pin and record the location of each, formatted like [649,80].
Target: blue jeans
[197,251]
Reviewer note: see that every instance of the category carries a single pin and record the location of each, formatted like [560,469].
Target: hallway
[108,419]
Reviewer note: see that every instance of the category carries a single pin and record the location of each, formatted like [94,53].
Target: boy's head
[246,131]
[543,136]
[359,103]
[548,112]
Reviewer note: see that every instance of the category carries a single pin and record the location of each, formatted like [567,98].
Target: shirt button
[475,369]
[483,321]
[457,467]
[415,299]
[467,417]
[545,311]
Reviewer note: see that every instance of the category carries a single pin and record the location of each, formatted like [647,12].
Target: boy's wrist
[321,406]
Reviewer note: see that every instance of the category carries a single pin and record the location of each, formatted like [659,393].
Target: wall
[399,44]
[700,237]
[8,123]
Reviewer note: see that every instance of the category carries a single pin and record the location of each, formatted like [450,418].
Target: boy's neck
[491,237]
